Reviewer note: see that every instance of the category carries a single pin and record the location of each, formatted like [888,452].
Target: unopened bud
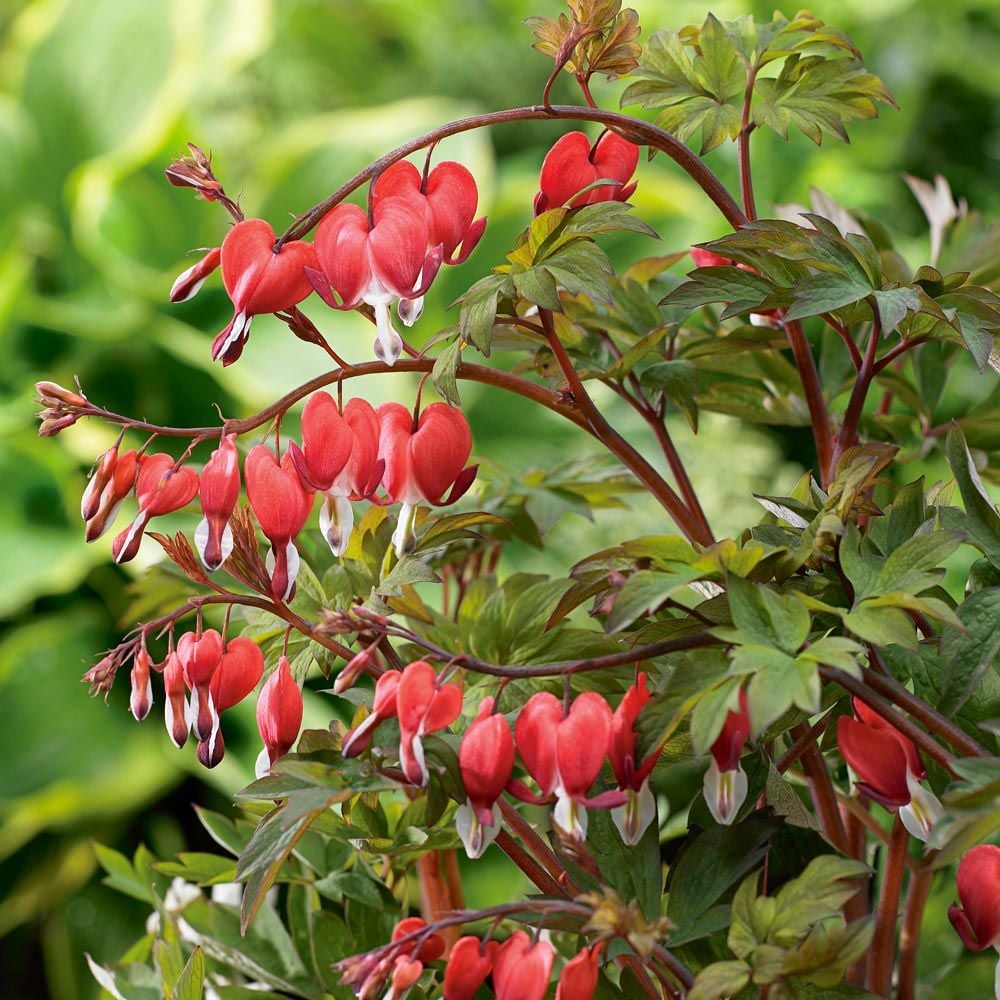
[101,676]
[348,677]
[142,688]
[52,394]
[51,426]
[190,281]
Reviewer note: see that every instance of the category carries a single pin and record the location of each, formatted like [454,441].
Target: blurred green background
[292,97]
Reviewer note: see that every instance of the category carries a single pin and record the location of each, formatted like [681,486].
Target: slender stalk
[634,129]
[846,337]
[805,739]
[819,412]
[538,848]
[679,473]
[823,795]
[855,405]
[541,879]
[909,938]
[743,143]
[615,443]
[882,953]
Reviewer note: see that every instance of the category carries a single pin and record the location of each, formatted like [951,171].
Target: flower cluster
[519,967]
[391,253]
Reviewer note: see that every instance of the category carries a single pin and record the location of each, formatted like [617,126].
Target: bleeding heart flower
[578,980]
[218,492]
[639,811]
[375,261]
[175,709]
[564,754]
[339,458]
[258,280]
[113,480]
[141,699]
[189,282]
[726,781]
[889,767]
[200,656]
[405,972]
[486,759]
[422,459]
[160,489]
[572,164]
[279,715]
[522,967]
[423,706]
[977,920]
[238,674]
[428,948]
[469,963]
[281,505]
[358,739]
[447,196]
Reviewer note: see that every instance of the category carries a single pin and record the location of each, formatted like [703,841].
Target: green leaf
[983,519]
[913,566]
[677,382]
[894,304]
[764,617]
[741,289]
[479,309]
[121,875]
[443,372]
[646,590]
[191,984]
[720,980]
[969,654]
[822,293]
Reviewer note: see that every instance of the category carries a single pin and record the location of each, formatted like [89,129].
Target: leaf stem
[743,144]
[819,412]
[855,405]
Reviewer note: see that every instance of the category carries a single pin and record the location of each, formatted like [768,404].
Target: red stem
[880,957]
[909,938]
[819,412]
[821,787]
[856,404]
[743,143]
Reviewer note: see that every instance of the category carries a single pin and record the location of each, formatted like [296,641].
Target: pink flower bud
[219,490]
[279,714]
[431,947]
[175,711]
[189,282]
[53,394]
[359,738]
[141,699]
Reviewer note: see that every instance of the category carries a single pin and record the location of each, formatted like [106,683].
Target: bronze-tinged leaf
[551,34]
[617,53]
[597,13]
[179,552]
[245,563]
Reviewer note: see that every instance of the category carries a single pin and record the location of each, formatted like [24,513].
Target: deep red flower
[141,698]
[258,280]
[375,261]
[279,715]
[572,164]
[423,706]
[632,818]
[977,920]
[469,963]
[238,674]
[725,781]
[358,739]
[281,505]
[189,282]
[578,979]
[486,759]
[522,968]
[160,489]
[423,460]
[338,457]
[113,480]
[430,948]
[889,767]
[219,490]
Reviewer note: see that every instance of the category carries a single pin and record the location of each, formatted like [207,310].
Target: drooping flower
[160,489]
[422,459]
[447,196]
[188,283]
[725,780]
[236,676]
[428,948]
[639,811]
[485,759]
[279,715]
[572,164]
[889,767]
[522,968]
[977,920]
[201,655]
[258,280]
[578,979]
[564,752]
[339,458]
[113,480]
[358,739]
[375,261]
[175,709]
[219,491]
[141,699]
[423,706]
[281,505]
[469,963]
